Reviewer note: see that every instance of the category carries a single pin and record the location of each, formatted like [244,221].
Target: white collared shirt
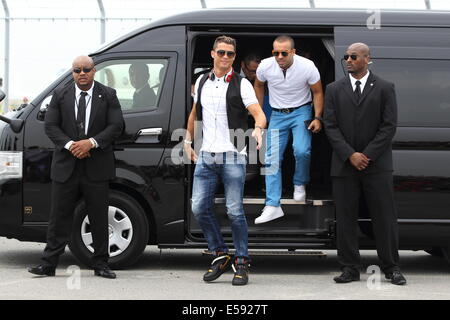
[88,111]
[292,90]
[216,134]
[363,81]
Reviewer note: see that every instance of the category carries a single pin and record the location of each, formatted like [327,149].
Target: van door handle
[149,135]
[150,132]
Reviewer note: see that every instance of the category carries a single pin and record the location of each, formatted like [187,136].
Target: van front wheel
[128,232]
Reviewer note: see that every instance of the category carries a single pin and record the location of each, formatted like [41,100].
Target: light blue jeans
[280,126]
[230,168]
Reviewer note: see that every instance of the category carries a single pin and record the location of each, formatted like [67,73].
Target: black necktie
[81,115]
[358,91]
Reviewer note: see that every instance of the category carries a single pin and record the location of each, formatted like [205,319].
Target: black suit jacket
[368,126]
[145,98]
[105,125]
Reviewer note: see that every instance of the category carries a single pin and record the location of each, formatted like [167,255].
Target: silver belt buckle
[285,110]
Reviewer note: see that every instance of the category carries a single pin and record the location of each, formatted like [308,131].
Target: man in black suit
[82,120]
[144,96]
[360,120]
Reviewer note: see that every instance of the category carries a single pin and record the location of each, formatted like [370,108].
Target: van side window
[422,87]
[138,82]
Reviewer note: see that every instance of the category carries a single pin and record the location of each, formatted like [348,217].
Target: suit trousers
[64,200]
[377,189]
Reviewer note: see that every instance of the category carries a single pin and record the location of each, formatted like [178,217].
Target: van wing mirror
[15,124]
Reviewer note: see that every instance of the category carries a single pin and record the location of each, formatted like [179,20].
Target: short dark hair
[284,38]
[252,57]
[224,39]
[140,67]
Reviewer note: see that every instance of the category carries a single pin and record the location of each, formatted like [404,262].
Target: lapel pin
[371,84]
[99,95]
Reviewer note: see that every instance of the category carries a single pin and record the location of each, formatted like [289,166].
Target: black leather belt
[289,110]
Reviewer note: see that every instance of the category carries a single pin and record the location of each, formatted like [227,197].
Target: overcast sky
[41,50]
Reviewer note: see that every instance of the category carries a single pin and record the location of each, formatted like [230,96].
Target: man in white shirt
[291,78]
[222,101]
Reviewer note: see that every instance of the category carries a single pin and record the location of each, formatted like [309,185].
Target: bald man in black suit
[82,120]
[360,119]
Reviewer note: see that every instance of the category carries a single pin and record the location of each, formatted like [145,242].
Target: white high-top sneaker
[299,193]
[269,213]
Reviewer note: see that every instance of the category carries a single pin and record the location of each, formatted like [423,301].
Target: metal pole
[203,2]
[428,4]
[6,78]
[102,21]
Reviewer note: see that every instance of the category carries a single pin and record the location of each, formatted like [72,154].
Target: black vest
[237,113]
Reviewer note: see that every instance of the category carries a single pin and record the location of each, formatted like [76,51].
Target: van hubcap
[120,230]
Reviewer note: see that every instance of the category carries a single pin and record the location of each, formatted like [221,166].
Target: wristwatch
[318,118]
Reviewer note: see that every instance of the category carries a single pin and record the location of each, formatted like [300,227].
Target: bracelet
[318,118]
[187,141]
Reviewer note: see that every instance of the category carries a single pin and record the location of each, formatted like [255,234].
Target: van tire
[121,206]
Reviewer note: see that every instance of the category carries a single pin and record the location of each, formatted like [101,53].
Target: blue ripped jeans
[230,168]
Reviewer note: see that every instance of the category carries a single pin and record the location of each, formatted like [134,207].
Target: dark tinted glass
[138,82]
[422,87]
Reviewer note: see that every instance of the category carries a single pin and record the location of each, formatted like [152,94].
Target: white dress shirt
[363,81]
[88,112]
[216,134]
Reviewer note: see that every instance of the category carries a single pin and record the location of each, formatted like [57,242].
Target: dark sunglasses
[353,56]
[85,70]
[230,54]
[277,53]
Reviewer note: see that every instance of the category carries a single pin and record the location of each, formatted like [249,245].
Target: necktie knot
[83,93]
[358,83]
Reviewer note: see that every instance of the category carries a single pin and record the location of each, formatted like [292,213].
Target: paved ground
[177,274]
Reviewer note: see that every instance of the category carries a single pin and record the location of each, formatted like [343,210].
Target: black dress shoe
[105,273]
[396,277]
[42,271]
[346,277]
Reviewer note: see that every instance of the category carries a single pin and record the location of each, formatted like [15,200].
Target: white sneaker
[299,193]
[269,213]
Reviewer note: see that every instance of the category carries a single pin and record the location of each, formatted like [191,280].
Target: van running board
[312,253]
[314,202]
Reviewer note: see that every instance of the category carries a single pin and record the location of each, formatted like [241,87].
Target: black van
[150,198]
